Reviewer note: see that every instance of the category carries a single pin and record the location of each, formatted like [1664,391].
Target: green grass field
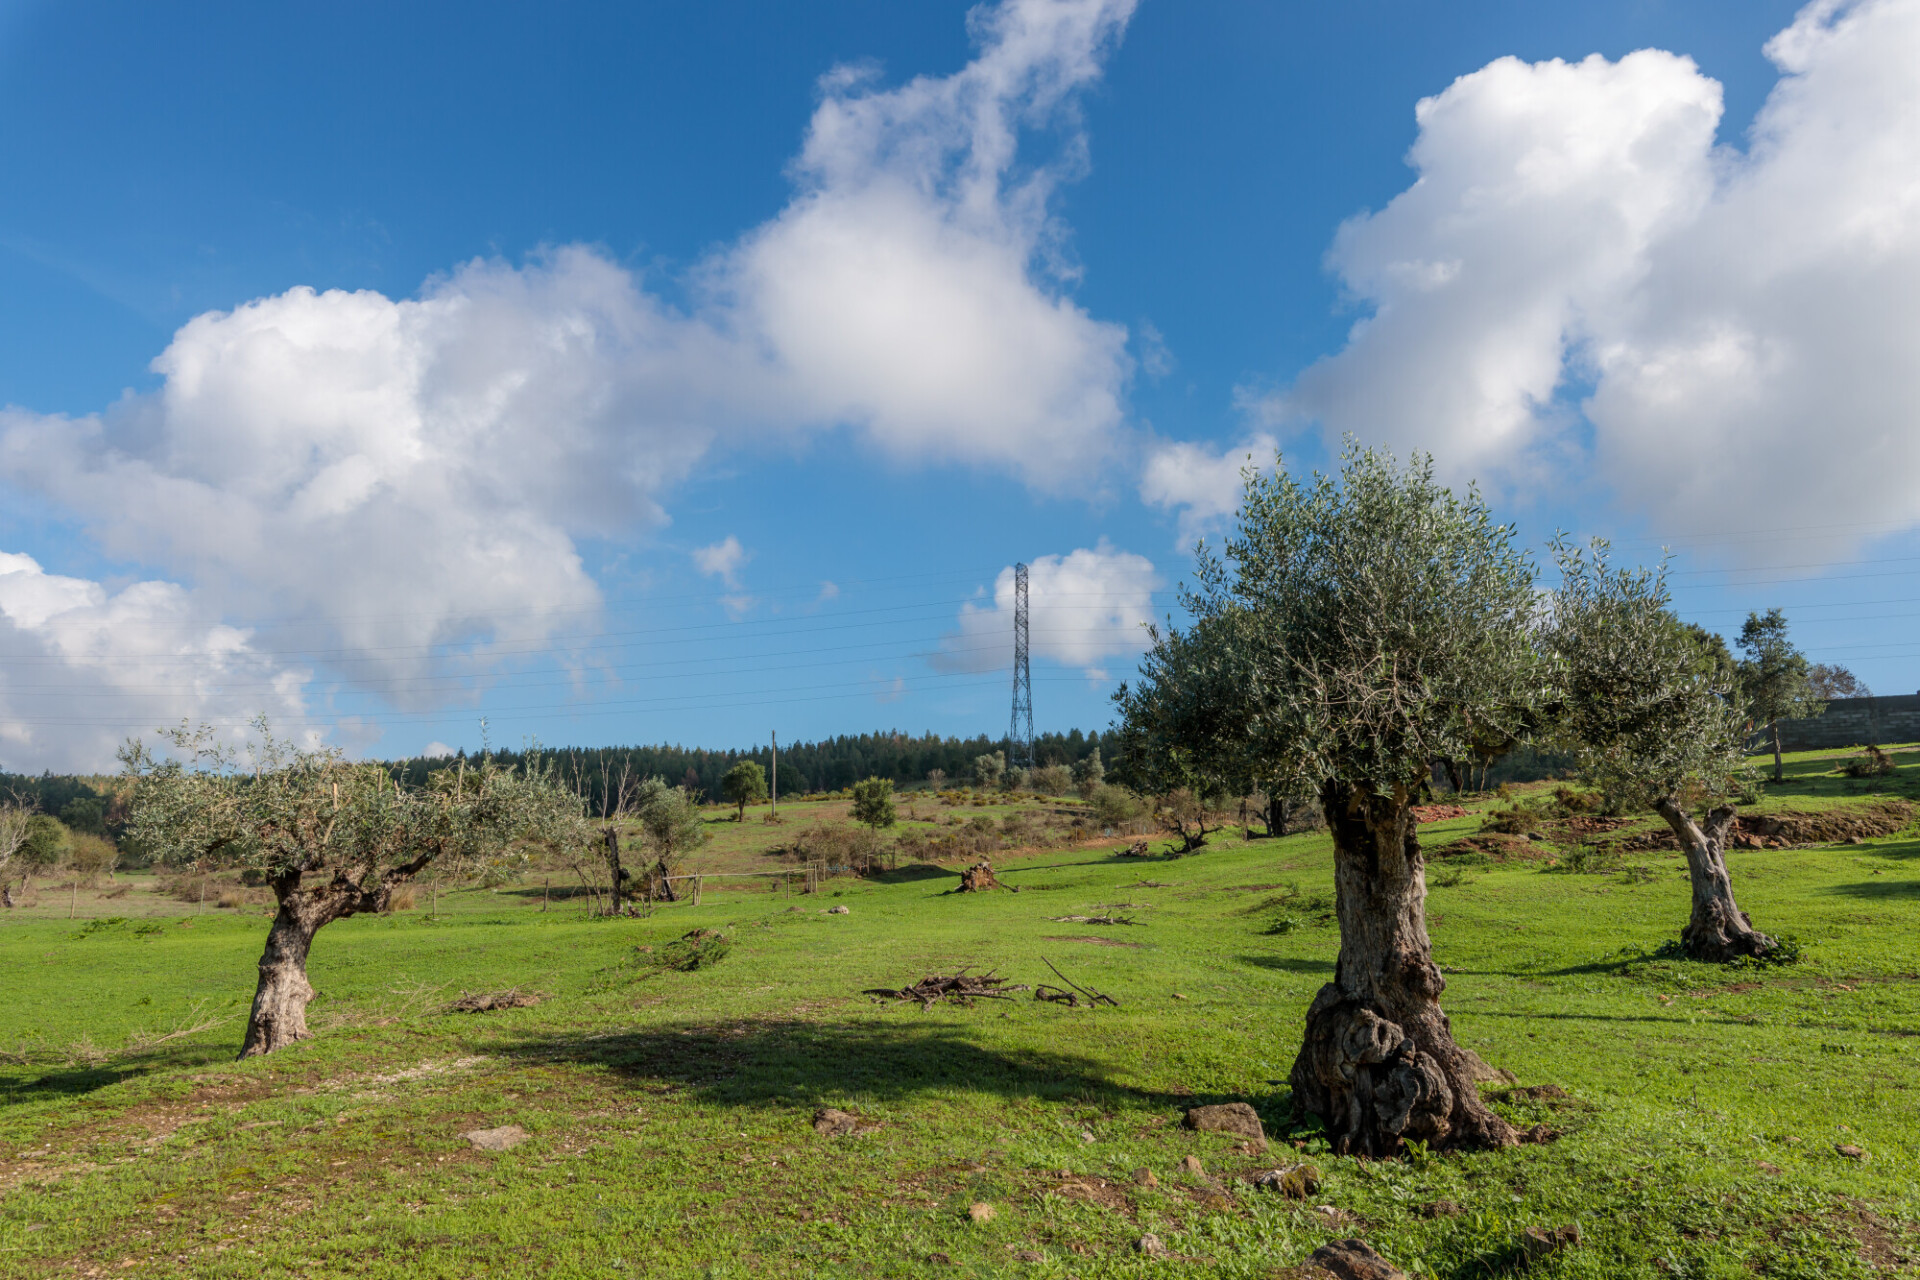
[670,1111]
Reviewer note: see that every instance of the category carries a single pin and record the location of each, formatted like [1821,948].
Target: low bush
[1871,763]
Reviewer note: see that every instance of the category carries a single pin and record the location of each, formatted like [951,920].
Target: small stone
[1178,996]
[1354,1260]
[1191,1164]
[1228,1117]
[505,1138]
[1539,1243]
[981,1211]
[839,911]
[1768,1167]
[1294,1181]
[1441,1209]
[1143,1176]
[1855,840]
[831,1122]
[1086,1135]
[1850,1151]
[1150,1245]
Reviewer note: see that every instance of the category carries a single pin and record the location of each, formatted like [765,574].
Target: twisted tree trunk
[1379,1065]
[615,872]
[1718,929]
[279,1014]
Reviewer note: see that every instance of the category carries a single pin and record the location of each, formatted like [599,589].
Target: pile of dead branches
[1093,919]
[488,1001]
[961,988]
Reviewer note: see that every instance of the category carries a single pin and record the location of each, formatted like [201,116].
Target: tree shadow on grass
[1287,964]
[790,1062]
[1872,889]
[30,1083]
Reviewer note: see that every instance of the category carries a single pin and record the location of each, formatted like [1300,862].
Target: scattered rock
[505,1138]
[1850,1151]
[1143,1176]
[1086,1135]
[1294,1181]
[1228,1117]
[1191,1164]
[1150,1245]
[1767,1167]
[981,1211]
[1335,1217]
[1441,1209]
[487,1002]
[837,911]
[831,1122]
[1539,1243]
[1354,1260]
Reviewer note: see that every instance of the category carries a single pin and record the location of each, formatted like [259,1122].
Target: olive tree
[1383,620]
[1654,722]
[873,803]
[15,817]
[1190,724]
[671,824]
[1774,676]
[332,837]
[744,784]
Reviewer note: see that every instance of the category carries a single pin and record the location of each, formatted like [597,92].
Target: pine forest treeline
[828,765]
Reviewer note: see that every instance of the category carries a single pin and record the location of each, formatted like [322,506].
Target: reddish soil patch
[1437,812]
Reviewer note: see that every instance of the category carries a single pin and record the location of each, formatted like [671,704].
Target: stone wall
[1850,722]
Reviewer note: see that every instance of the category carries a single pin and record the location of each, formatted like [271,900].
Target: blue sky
[699,372]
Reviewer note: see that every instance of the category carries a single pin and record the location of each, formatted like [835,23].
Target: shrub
[1871,763]
[91,857]
[1052,780]
[1114,806]
[873,802]
[402,899]
[1516,821]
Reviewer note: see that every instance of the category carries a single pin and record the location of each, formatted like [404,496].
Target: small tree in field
[671,822]
[744,784]
[936,779]
[1088,773]
[331,837]
[1774,678]
[1378,620]
[45,846]
[1189,729]
[873,803]
[15,818]
[1653,722]
[988,770]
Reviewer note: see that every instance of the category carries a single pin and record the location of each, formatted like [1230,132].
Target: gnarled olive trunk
[616,873]
[1718,929]
[1379,1065]
[279,1014]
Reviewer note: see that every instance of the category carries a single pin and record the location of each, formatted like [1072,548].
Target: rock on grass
[505,1138]
[1354,1260]
[1228,1117]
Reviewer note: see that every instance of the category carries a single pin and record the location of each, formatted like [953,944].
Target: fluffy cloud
[722,560]
[1744,323]
[1202,486]
[399,485]
[81,668]
[1082,608]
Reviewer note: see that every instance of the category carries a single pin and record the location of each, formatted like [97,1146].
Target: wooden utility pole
[773,791]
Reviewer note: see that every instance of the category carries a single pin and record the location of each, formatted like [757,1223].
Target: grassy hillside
[670,1111]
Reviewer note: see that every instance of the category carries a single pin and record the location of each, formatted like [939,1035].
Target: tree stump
[978,878]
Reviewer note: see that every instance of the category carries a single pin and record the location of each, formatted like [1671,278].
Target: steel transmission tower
[1020,729]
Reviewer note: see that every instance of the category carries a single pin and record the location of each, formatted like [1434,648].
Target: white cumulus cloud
[400,485]
[1083,607]
[722,560]
[1739,327]
[83,668]
[1202,486]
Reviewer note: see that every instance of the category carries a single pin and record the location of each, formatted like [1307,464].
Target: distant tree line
[831,764]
